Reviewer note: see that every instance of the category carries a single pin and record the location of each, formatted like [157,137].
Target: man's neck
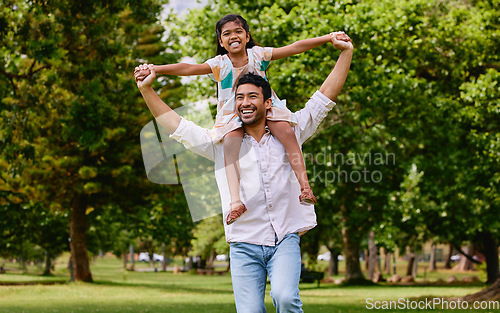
[257,131]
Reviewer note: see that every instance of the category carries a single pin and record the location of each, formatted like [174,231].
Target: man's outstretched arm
[155,104]
[192,136]
[333,84]
[317,108]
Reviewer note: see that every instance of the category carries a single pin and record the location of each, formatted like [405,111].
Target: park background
[405,166]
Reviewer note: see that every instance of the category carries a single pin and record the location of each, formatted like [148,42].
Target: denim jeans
[250,265]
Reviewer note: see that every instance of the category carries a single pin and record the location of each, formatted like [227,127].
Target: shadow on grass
[165,286]
[123,308]
[391,285]
[30,283]
[171,307]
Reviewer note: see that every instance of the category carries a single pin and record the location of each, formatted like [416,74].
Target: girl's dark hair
[231,18]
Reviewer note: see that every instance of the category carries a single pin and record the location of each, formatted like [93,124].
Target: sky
[181,5]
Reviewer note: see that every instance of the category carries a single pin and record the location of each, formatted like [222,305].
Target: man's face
[250,104]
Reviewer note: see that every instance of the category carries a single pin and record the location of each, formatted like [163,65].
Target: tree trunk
[48,263]
[70,269]
[333,264]
[387,261]
[151,260]
[465,264]
[132,261]
[432,261]
[211,259]
[353,271]
[415,267]
[492,293]
[372,255]
[77,230]
[189,264]
[202,263]
[164,253]
[448,259]
[394,262]
[23,265]
[411,261]
[490,250]
[125,259]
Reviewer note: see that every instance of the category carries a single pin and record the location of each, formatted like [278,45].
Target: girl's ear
[248,37]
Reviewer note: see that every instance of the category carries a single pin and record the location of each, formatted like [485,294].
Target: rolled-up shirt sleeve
[195,138]
[309,118]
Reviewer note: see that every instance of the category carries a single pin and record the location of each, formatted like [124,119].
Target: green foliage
[209,239]
[405,213]
[71,115]
[417,120]
[27,227]
[422,90]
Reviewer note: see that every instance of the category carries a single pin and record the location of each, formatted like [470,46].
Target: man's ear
[268,103]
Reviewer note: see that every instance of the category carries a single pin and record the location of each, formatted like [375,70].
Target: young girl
[238,54]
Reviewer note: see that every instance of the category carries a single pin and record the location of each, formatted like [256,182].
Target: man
[264,241]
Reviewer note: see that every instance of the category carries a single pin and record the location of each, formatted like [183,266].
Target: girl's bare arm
[299,47]
[177,69]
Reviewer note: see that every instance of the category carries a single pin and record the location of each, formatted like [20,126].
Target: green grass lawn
[116,290]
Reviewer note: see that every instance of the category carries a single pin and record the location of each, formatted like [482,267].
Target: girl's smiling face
[233,37]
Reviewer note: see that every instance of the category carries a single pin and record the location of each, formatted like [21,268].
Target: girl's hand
[140,72]
[341,41]
[149,79]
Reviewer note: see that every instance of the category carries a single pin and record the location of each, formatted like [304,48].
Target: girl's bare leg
[232,145]
[285,134]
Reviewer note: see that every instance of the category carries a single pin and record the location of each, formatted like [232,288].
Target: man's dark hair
[257,80]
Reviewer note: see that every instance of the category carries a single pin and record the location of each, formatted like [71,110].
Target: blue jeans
[250,265]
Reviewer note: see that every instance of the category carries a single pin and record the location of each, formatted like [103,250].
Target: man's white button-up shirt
[268,185]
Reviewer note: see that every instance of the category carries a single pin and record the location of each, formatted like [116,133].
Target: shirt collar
[248,137]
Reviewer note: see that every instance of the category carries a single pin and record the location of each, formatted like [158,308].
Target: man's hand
[335,81]
[341,41]
[149,79]
[140,74]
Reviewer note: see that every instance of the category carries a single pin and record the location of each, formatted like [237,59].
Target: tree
[70,114]
[50,233]
[28,226]
[424,52]
[209,240]
[16,227]
[491,293]
[416,65]
[479,115]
